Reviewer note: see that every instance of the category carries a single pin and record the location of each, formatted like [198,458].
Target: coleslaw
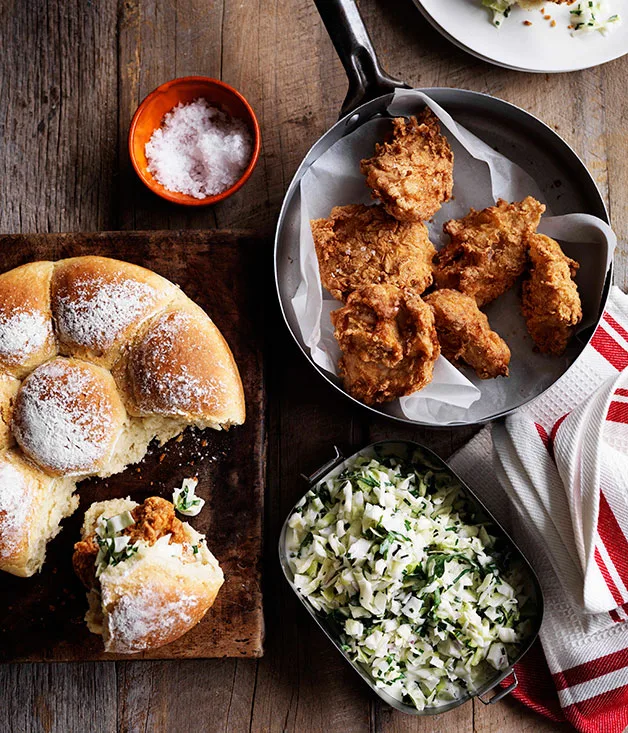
[586,17]
[415,588]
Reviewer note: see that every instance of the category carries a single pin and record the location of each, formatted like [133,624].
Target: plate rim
[496,62]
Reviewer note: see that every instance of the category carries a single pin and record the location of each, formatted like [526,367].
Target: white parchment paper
[481,176]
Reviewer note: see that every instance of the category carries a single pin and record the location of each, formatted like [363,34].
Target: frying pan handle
[367,79]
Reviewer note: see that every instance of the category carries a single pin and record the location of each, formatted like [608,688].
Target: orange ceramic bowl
[149,116]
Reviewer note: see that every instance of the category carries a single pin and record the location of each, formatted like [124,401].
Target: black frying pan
[563,178]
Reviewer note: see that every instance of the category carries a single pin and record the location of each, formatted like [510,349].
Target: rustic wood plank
[58,116]
[616,144]
[39,698]
[391,721]
[158,42]
[302,684]
[510,715]
[58,149]
[194,47]
[179,697]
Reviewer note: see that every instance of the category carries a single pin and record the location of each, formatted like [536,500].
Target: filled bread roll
[150,577]
[32,504]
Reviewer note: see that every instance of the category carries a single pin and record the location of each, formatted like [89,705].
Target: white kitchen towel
[556,474]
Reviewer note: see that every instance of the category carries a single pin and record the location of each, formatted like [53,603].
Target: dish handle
[502,693]
[367,79]
[325,468]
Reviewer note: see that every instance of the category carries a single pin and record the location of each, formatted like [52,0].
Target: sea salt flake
[199,150]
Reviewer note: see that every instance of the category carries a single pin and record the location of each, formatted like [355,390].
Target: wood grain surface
[72,73]
[41,618]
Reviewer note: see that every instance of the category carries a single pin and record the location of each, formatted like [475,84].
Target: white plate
[537,48]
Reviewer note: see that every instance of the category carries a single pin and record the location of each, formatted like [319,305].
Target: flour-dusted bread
[8,390]
[32,504]
[165,371]
[68,416]
[160,591]
[26,329]
[98,303]
[98,358]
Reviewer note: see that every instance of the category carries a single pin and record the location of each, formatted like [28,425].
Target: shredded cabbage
[500,9]
[113,548]
[592,15]
[185,500]
[417,591]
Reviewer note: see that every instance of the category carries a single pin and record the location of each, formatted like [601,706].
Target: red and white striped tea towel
[556,474]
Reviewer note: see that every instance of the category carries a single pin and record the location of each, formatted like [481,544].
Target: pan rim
[560,145]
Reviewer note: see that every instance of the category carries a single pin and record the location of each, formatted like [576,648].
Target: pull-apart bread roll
[68,417]
[150,577]
[31,506]
[97,359]
[166,371]
[98,304]
[26,329]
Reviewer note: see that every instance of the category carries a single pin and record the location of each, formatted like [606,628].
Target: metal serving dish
[564,180]
[405,448]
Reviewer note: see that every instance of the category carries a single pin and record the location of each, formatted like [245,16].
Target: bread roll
[26,329]
[161,591]
[8,389]
[68,417]
[166,371]
[98,303]
[31,506]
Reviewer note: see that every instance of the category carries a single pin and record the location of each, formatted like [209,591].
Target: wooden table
[71,75]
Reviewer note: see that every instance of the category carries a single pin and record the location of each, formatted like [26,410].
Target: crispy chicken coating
[465,335]
[551,302]
[84,561]
[413,173]
[358,245]
[487,251]
[388,343]
[154,518]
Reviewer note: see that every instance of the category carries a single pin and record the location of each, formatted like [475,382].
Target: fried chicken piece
[551,302]
[465,335]
[84,561]
[413,173]
[388,341]
[154,518]
[359,245]
[487,252]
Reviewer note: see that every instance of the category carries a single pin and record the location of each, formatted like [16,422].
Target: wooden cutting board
[41,618]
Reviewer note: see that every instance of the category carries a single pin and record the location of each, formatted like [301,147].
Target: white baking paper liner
[481,176]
